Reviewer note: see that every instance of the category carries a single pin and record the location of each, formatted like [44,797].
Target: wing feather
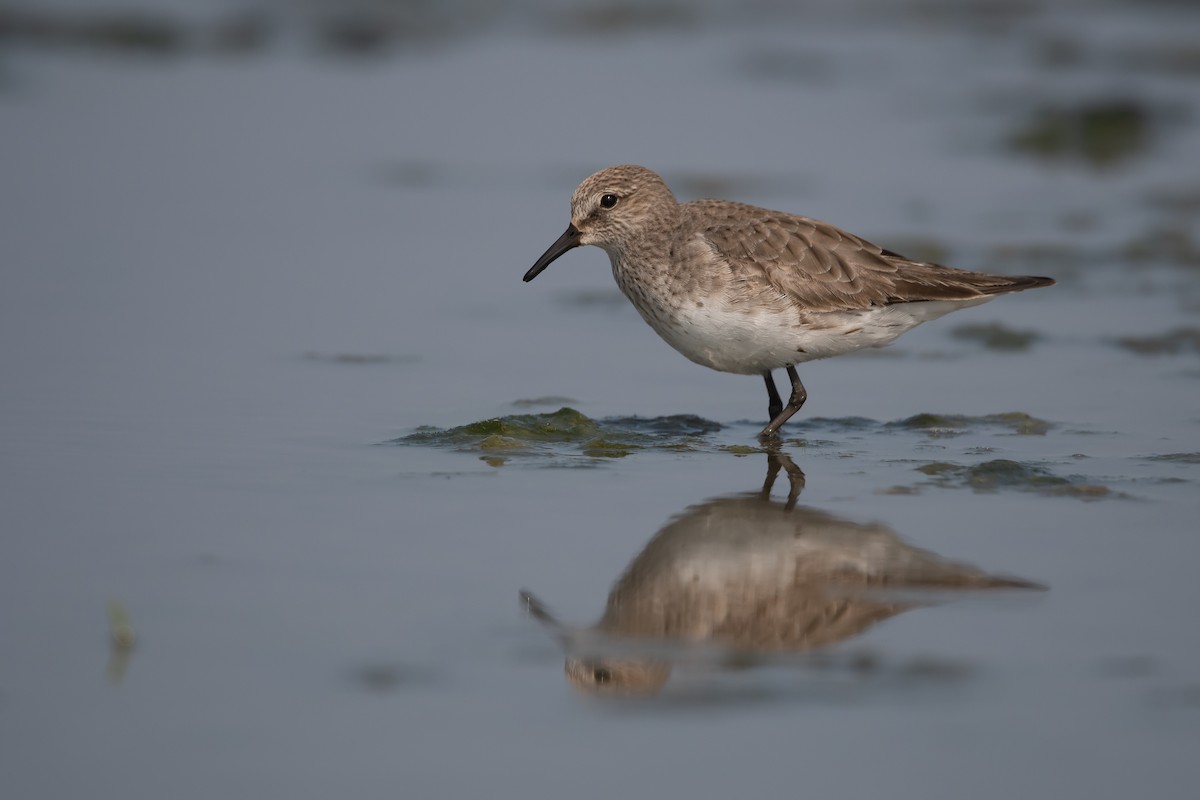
[823,268]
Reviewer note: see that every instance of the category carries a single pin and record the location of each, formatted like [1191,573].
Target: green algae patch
[932,422]
[996,336]
[601,447]
[1083,491]
[1003,474]
[1019,423]
[564,425]
[1101,134]
[674,425]
[943,425]
[498,442]
[359,359]
[566,433]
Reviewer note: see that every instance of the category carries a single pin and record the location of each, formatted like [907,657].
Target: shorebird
[748,290]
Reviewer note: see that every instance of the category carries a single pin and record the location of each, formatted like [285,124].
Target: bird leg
[776,460]
[799,395]
[775,404]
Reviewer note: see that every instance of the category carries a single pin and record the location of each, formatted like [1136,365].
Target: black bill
[568,241]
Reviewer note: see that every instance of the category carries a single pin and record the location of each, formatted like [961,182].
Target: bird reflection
[751,577]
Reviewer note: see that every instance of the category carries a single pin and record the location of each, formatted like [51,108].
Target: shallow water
[236,285]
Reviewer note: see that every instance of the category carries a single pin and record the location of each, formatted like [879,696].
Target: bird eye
[608,201]
[602,675]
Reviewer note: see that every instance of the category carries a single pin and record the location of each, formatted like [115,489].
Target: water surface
[239,280]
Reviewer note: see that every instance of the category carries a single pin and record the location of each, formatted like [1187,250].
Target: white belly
[751,343]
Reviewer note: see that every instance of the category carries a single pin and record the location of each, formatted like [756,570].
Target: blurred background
[245,247]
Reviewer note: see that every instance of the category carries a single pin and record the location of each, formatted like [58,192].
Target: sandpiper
[748,290]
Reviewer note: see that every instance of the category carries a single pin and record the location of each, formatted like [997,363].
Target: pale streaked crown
[643,201]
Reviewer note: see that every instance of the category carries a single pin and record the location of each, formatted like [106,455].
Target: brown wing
[824,268]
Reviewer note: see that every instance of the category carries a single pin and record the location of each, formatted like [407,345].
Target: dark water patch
[1161,481]
[1100,133]
[385,678]
[945,425]
[615,18]
[936,669]
[362,33]
[1174,458]
[134,32]
[1173,342]
[362,30]
[1006,474]
[1181,58]
[359,359]
[1175,698]
[1178,58]
[996,336]
[567,432]
[356,34]
[344,30]
[119,31]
